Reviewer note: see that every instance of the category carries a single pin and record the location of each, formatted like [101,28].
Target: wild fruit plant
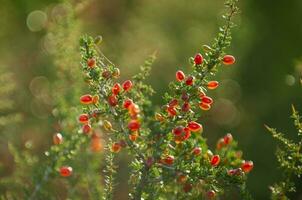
[170,157]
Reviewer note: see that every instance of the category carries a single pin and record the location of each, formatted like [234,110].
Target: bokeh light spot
[36,20]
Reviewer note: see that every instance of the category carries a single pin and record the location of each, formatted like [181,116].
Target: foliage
[289,158]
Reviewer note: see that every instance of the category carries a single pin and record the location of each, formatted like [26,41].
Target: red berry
[212,85]
[86,99]
[112,100]
[86,129]
[233,172]
[207,100]
[228,60]
[215,160]
[247,166]
[96,143]
[187,187]
[196,151]
[178,130]
[173,103]
[127,85]
[228,138]
[116,89]
[180,75]
[198,59]
[57,138]
[65,171]
[168,160]
[211,194]
[116,147]
[194,126]
[133,125]
[91,62]
[186,107]
[127,103]
[190,80]
[83,118]
[172,111]
[204,106]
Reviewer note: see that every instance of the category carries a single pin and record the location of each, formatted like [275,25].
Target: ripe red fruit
[215,160]
[173,103]
[228,138]
[134,110]
[211,194]
[228,60]
[204,106]
[127,103]
[186,107]
[196,151]
[194,126]
[247,166]
[112,100]
[168,160]
[212,85]
[116,89]
[116,147]
[190,80]
[207,100]
[180,75]
[233,172]
[178,130]
[187,187]
[198,59]
[172,111]
[57,138]
[127,85]
[133,125]
[91,62]
[65,171]
[86,99]
[83,118]
[96,143]
[86,129]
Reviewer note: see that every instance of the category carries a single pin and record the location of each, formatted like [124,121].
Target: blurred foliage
[257,91]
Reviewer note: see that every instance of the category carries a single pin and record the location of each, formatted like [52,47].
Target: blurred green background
[258,90]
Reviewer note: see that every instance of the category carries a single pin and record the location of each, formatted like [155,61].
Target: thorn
[267,127]
[293,108]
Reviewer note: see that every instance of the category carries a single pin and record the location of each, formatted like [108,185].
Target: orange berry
[133,136]
[247,166]
[91,62]
[86,99]
[182,178]
[204,106]
[65,171]
[220,144]
[116,147]
[194,126]
[83,118]
[96,144]
[207,100]
[228,60]
[212,85]
[95,99]
[57,138]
